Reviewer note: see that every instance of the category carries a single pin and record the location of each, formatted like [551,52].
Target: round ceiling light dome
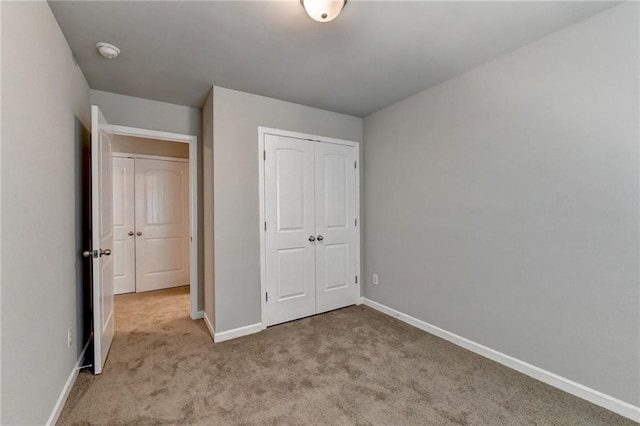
[323,10]
[107,50]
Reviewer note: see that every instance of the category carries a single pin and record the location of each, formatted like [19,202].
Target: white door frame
[262,132]
[193,198]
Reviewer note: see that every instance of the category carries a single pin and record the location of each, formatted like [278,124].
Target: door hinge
[355,164]
[265,226]
[266,297]
[356,221]
[264,155]
[356,279]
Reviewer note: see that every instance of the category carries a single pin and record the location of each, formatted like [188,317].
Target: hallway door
[162,224]
[102,238]
[124,242]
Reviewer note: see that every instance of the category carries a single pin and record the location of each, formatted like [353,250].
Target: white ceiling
[374,54]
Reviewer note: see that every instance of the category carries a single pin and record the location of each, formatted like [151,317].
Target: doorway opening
[155,212]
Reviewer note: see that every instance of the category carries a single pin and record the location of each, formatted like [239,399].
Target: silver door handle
[105,252]
[138,233]
[87,253]
[312,238]
[320,238]
[130,232]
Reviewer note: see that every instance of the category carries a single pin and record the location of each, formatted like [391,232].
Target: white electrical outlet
[375,279]
[69,337]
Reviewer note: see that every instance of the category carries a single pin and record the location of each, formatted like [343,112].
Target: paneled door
[311,237]
[290,229]
[162,224]
[102,238]
[124,241]
[336,208]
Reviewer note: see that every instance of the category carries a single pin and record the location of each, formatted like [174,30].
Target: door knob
[87,253]
[320,238]
[105,252]
[130,232]
[312,238]
[138,233]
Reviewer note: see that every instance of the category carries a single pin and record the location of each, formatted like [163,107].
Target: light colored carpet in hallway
[351,366]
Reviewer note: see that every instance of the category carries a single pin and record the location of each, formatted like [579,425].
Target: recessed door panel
[336,212]
[167,255]
[336,184]
[290,189]
[291,274]
[336,266]
[289,216]
[162,224]
[124,267]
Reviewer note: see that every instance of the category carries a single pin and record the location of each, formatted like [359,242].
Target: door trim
[193,197]
[150,157]
[262,132]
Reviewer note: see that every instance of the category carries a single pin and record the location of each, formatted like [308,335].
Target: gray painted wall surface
[153,115]
[134,145]
[236,202]
[502,205]
[42,93]
[207,161]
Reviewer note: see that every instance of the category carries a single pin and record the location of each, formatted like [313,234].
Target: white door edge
[193,196]
[262,132]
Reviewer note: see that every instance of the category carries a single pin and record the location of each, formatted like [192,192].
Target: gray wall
[136,145]
[207,161]
[147,114]
[236,202]
[42,93]
[502,205]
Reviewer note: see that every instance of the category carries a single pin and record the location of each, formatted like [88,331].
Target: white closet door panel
[124,257]
[162,224]
[336,211]
[289,213]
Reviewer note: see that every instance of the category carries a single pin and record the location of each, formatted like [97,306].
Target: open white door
[102,238]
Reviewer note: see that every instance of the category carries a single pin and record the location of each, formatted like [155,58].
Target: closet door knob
[320,238]
[138,233]
[312,238]
[130,232]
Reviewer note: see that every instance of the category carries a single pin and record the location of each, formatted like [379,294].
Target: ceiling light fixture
[107,50]
[323,10]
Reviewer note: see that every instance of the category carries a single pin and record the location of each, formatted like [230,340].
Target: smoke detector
[107,50]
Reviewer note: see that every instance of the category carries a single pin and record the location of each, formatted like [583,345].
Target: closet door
[337,234]
[124,242]
[290,233]
[162,224]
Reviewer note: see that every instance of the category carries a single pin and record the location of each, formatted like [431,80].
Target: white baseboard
[209,325]
[198,315]
[237,332]
[359,300]
[596,397]
[57,409]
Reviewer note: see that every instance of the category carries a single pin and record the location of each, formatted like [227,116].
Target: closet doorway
[310,236]
[155,212]
[150,217]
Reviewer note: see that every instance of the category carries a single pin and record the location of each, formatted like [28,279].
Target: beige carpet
[351,366]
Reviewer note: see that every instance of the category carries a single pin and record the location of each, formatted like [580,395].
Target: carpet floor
[350,366]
